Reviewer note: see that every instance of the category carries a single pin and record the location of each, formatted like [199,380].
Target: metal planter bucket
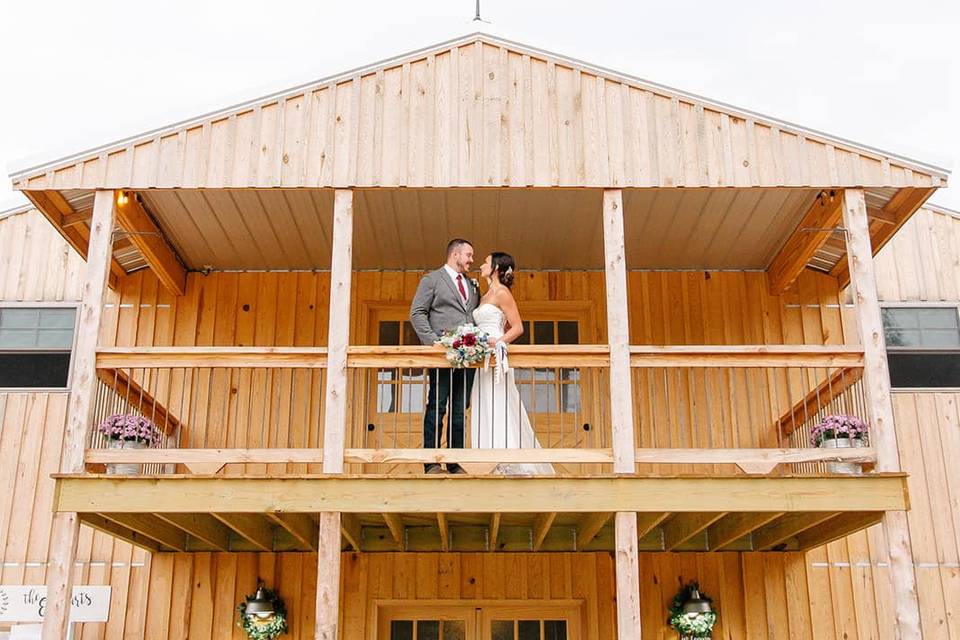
[847,468]
[123,468]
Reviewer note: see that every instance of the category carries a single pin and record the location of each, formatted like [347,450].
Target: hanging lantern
[261,606]
[691,614]
[263,615]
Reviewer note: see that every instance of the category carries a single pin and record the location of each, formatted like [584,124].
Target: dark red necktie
[463,292]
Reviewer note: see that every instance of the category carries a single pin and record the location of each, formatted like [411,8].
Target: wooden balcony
[721,435]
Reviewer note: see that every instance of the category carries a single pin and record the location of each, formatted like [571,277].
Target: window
[923,346]
[550,390]
[35,346]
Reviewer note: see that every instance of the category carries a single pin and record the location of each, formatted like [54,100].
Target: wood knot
[491,75]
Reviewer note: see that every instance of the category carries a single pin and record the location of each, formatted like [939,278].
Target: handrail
[821,396]
[212,357]
[576,355]
[746,356]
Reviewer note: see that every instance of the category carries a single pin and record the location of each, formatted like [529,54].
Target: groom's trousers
[448,387]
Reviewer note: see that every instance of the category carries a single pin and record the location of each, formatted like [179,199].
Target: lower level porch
[475,514]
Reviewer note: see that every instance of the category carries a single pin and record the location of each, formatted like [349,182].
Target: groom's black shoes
[455,468]
[432,468]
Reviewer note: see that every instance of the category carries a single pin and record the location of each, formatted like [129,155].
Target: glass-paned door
[484,622]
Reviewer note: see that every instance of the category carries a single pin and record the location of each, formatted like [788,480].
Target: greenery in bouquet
[121,426]
[466,346]
[838,426]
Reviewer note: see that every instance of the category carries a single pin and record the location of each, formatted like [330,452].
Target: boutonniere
[475,283]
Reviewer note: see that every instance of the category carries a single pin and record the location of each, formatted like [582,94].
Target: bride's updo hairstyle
[504,266]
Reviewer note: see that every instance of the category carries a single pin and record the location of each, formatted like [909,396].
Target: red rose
[470,340]
[456,344]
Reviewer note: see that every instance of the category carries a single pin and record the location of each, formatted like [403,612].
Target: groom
[445,299]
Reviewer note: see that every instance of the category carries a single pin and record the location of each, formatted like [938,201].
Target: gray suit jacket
[437,306]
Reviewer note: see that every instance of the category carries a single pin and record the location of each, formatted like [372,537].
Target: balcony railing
[709,410]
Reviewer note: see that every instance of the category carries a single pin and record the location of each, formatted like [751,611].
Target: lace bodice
[489,318]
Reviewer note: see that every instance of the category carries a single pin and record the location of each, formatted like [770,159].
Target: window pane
[19,318]
[543,332]
[409,335]
[401,630]
[528,630]
[937,318]
[454,630]
[903,318]
[924,369]
[568,332]
[57,318]
[389,333]
[554,630]
[570,398]
[55,338]
[525,338]
[940,339]
[428,630]
[34,369]
[501,630]
[18,338]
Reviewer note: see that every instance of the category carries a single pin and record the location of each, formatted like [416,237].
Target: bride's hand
[492,342]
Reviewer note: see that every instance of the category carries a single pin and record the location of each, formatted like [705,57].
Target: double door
[550,621]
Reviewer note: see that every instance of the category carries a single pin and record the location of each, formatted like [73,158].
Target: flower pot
[123,468]
[848,468]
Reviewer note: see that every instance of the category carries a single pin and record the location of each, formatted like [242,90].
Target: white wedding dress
[498,419]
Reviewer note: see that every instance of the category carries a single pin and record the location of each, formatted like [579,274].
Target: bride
[498,419]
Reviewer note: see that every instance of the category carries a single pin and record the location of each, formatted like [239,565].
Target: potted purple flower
[126,431]
[840,431]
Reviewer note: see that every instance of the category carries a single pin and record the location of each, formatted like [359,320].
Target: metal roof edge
[17,170]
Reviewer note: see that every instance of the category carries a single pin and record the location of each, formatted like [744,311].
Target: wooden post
[876,376]
[618,333]
[83,377]
[328,577]
[338,336]
[628,577]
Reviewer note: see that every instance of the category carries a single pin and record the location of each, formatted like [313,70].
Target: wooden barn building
[700,286]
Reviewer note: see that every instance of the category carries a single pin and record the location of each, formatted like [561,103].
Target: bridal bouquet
[466,346]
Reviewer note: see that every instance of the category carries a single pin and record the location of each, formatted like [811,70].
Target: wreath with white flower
[263,628]
[695,625]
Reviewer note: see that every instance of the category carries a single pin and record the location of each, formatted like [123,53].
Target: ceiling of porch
[407,229]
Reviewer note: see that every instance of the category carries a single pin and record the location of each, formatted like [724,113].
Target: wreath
[263,628]
[698,625]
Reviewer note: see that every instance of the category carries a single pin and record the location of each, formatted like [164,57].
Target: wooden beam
[78,218]
[395,525]
[493,531]
[202,527]
[763,356]
[140,398]
[684,526]
[876,377]
[98,522]
[146,236]
[415,356]
[541,527]
[153,527]
[813,231]
[250,526]
[328,578]
[55,208]
[628,576]
[476,494]
[786,527]
[300,525]
[821,396]
[734,526]
[212,357]
[884,215]
[517,456]
[338,334]
[351,530]
[80,413]
[835,528]
[590,526]
[647,522]
[618,332]
[444,531]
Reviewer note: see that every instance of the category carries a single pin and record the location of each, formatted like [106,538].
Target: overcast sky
[79,74]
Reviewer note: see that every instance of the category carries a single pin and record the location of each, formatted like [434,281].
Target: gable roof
[480,111]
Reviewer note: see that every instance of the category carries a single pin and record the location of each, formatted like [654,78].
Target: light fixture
[123,198]
[694,605]
[261,606]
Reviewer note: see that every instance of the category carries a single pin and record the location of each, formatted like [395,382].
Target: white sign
[26,603]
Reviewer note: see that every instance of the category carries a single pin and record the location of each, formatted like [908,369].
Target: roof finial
[476,15]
